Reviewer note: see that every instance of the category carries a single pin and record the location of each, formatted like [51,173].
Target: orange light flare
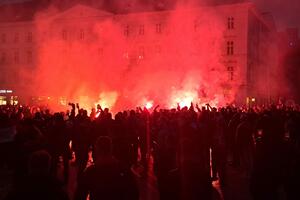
[184,98]
[149,105]
[107,99]
[98,114]
[185,102]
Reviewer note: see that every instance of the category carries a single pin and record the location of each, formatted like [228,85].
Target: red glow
[178,64]
[98,114]
[149,105]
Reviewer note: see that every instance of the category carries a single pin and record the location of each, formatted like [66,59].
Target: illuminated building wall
[246,44]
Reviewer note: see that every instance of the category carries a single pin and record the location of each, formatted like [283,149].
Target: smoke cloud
[124,61]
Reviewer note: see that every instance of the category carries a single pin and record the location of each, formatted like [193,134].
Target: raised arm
[72,115]
[192,107]
[99,108]
[209,107]
[178,107]
[155,109]
[197,107]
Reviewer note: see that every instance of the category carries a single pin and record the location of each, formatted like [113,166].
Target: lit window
[142,30]
[126,55]
[230,23]
[230,48]
[158,28]
[141,52]
[3,100]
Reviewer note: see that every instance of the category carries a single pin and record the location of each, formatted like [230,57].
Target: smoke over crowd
[123,54]
[124,61]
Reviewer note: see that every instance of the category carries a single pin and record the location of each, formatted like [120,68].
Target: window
[126,31]
[158,28]
[81,36]
[3,57]
[29,56]
[196,25]
[141,52]
[230,71]
[44,36]
[16,38]
[230,48]
[100,51]
[142,30]
[3,100]
[230,23]
[126,55]
[29,37]
[16,57]
[157,49]
[64,35]
[3,38]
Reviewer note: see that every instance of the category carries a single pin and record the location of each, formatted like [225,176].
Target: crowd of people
[191,147]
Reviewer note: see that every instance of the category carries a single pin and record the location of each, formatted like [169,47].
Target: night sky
[285,12]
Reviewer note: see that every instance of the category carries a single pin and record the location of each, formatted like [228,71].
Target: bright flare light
[98,114]
[183,98]
[107,99]
[149,105]
[185,102]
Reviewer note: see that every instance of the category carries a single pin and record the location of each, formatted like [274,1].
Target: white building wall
[69,26]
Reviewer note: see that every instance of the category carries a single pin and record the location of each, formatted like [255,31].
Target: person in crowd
[244,143]
[186,145]
[106,180]
[28,139]
[39,182]
[58,138]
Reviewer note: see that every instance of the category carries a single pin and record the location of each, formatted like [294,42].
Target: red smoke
[168,57]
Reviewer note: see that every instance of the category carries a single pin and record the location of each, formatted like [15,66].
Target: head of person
[39,163]
[103,149]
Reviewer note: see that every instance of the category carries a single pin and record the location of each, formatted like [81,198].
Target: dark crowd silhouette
[189,148]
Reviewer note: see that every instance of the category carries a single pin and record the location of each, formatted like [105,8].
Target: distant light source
[98,114]
[253,99]
[6,91]
[149,105]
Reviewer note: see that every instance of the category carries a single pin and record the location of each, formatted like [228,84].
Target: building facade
[246,45]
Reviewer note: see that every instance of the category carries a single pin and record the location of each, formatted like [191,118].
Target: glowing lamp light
[253,99]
